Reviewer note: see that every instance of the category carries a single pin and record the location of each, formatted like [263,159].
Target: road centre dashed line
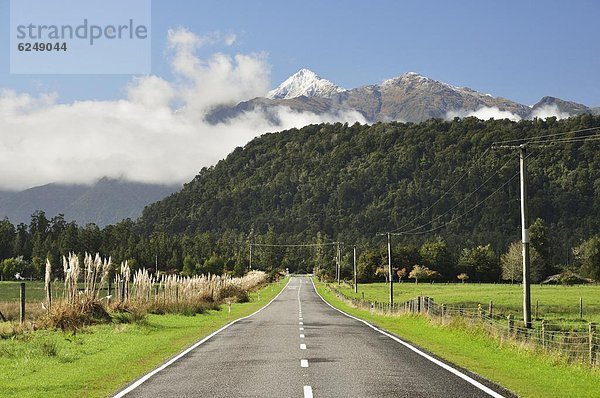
[303,346]
[308,392]
[304,363]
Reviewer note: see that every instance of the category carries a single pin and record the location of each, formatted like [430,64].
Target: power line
[541,144]
[463,200]
[527,140]
[532,140]
[445,193]
[462,214]
[294,245]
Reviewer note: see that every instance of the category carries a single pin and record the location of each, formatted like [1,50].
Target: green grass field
[525,373]
[558,303]
[99,360]
[34,291]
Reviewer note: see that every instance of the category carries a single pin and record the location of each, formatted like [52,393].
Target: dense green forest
[347,183]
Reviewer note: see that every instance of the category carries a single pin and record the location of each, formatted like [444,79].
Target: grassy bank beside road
[99,360]
[525,373]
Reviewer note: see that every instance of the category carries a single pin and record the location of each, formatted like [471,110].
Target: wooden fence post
[491,309]
[537,308]
[49,296]
[418,304]
[593,344]
[544,333]
[22,306]
[511,324]
[580,307]
[430,305]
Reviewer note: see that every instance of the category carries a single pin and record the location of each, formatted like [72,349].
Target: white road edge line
[308,392]
[304,363]
[144,378]
[449,368]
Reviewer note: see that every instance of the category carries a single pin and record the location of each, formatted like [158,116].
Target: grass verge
[525,373]
[99,360]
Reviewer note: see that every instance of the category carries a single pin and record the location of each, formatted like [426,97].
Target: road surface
[301,347]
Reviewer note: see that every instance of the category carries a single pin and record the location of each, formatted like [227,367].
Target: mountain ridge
[409,97]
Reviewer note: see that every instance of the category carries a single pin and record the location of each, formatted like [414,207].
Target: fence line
[575,342]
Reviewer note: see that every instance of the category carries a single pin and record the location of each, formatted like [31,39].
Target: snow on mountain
[305,82]
[410,97]
[405,78]
[414,80]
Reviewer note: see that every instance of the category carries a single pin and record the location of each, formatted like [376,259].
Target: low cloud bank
[486,113]
[156,135]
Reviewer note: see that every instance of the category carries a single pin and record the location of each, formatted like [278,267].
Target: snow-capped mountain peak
[304,82]
[415,80]
[406,78]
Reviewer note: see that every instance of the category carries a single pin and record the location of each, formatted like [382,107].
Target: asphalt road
[301,347]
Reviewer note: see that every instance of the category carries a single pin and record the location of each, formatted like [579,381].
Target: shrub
[72,316]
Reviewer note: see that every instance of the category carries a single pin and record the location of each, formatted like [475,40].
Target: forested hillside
[347,183]
[350,182]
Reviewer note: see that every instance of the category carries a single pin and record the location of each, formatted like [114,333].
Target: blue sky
[520,50]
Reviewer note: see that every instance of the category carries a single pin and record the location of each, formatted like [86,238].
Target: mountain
[106,202]
[565,107]
[409,97]
[305,83]
[415,98]
[349,182]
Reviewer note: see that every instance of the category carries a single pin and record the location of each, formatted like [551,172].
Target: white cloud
[142,138]
[547,111]
[484,113]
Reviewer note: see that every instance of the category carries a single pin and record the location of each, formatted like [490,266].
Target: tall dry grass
[135,292]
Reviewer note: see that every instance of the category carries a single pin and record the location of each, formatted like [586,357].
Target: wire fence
[576,342]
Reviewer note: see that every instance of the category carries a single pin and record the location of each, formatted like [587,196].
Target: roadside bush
[73,316]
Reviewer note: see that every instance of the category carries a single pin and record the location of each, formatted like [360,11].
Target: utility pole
[525,236]
[338,266]
[524,229]
[355,276]
[250,256]
[390,269]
